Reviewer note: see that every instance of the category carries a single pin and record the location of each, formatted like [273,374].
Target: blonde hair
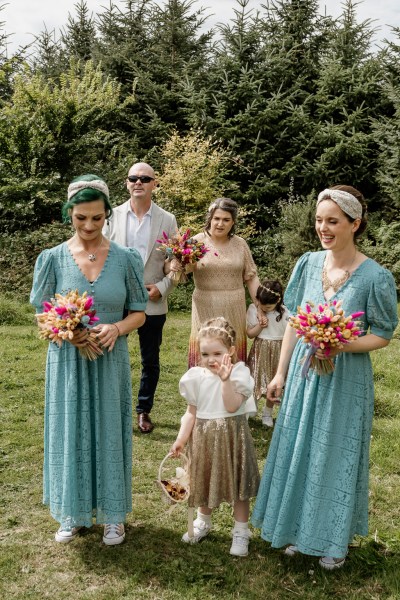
[218,328]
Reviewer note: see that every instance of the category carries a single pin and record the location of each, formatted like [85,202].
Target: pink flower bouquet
[325,329]
[63,315]
[185,249]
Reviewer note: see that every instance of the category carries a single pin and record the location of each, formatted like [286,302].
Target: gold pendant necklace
[339,281]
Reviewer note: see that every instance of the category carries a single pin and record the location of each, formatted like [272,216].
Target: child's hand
[262,319]
[225,369]
[176,448]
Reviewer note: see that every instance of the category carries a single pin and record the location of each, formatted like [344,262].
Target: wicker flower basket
[174,482]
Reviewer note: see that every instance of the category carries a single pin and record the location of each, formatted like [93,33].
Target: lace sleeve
[44,280]
[382,305]
[249,266]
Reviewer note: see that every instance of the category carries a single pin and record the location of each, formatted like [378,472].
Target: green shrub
[180,299]
[13,312]
[277,250]
[383,245]
[18,253]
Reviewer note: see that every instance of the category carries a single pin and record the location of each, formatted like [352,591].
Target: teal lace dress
[314,489]
[88,410]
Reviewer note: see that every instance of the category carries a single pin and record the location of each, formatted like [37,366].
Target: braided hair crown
[218,328]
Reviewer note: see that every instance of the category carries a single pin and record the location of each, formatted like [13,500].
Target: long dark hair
[271,292]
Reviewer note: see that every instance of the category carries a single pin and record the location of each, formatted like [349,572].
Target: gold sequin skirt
[223,462]
[263,362]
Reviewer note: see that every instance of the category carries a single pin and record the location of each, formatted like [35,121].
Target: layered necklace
[339,281]
[92,256]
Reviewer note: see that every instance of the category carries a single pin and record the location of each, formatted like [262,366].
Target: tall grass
[153,563]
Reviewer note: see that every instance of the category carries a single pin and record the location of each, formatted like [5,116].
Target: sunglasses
[143,178]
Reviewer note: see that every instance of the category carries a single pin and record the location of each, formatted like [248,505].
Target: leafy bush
[383,245]
[180,299]
[13,312]
[278,249]
[194,174]
[18,253]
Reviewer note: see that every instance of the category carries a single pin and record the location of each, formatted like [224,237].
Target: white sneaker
[329,563]
[63,536]
[200,530]
[114,533]
[240,542]
[291,550]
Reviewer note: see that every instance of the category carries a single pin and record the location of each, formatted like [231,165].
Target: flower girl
[266,322]
[223,464]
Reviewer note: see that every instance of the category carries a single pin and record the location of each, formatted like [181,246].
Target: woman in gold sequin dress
[221,275]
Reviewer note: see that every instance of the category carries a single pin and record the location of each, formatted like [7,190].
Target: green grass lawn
[153,563]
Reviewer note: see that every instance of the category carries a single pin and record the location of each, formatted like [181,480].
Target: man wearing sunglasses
[139,223]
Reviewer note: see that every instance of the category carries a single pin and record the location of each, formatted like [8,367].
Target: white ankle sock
[242,527]
[268,411]
[205,518]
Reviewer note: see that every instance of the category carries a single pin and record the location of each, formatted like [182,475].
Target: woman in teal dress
[314,490]
[88,408]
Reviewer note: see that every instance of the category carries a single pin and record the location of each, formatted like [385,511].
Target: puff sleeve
[295,288]
[136,293]
[249,266]
[251,316]
[44,280]
[382,305]
[242,379]
[189,385]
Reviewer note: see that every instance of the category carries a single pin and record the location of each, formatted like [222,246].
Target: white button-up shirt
[138,232]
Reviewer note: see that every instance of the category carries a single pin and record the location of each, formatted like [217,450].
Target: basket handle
[169,455]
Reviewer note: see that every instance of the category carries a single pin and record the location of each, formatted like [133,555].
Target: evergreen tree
[262,86]
[349,96]
[79,34]
[123,40]
[386,130]
[49,57]
[229,98]
[176,50]
[9,65]
[386,134]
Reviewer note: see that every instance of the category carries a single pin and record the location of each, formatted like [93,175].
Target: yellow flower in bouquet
[324,329]
[65,314]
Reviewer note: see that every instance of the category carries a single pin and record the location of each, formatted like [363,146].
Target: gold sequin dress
[219,290]
[223,463]
[264,354]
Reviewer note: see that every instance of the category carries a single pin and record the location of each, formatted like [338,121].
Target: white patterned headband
[347,202]
[96,184]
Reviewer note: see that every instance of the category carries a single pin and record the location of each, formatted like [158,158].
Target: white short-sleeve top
[202,388]
[275,329]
